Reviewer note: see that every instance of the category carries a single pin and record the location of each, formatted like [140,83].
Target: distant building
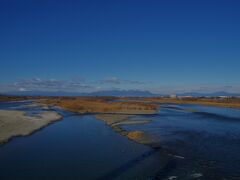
[223,97]
[173,96]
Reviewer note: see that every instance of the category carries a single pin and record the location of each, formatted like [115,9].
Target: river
[197,142]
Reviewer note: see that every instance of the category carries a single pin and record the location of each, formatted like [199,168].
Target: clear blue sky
[114,43]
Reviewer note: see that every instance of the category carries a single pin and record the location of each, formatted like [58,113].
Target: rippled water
[198,142]
[207,137]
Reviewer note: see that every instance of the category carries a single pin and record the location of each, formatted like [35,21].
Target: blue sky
[161,46]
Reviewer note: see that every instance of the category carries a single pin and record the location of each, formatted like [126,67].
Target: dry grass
[130,105]
[100,105]
[140,137]
[226,102]
[12,98]
[135,135]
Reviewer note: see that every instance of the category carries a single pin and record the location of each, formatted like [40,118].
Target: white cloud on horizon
[73,85]
[22,89]
[111,83]
[37,84]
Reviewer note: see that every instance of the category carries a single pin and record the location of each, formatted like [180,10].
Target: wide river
[197,142]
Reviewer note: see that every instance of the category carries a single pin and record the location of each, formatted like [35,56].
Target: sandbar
[17,123]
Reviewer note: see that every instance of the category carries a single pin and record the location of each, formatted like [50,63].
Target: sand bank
[116,121]
[17,123]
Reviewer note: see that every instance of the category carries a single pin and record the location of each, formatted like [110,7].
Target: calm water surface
[198,142]
[78,147]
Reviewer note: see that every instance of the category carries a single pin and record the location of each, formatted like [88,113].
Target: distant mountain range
[127,93]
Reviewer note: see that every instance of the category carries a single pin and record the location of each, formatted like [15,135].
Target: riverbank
[17,123]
